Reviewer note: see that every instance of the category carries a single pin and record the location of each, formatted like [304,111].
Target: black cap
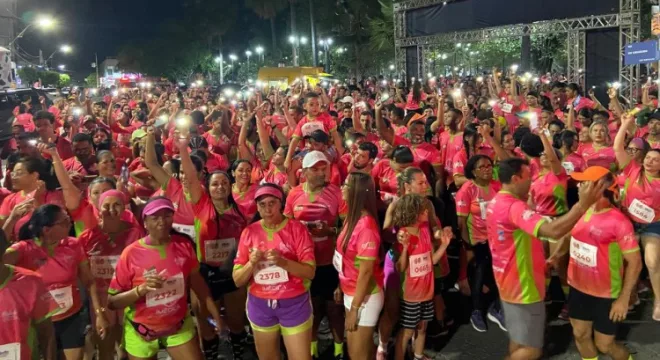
[319,136]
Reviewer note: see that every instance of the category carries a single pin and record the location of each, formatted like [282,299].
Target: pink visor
[268,191]
[155,206]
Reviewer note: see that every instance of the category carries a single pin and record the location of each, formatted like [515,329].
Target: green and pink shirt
[417,280]
[548,193]
[641,195]
[363,244]
[471,202]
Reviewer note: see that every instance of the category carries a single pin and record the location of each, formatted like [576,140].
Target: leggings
[482,265]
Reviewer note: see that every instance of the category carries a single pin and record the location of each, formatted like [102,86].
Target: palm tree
[268,10]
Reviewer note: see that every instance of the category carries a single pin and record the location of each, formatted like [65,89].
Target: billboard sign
[641,53]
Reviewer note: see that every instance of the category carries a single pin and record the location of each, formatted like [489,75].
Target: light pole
[326,47]
[233,58]
[65,49]
[220,62]
[248,53]
[295,42]
[260,51]
[44,22]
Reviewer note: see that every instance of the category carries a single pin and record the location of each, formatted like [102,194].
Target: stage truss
[627,20]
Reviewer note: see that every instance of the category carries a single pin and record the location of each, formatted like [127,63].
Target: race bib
[269,274]
[103,267]
[584,254]
[506,107]
[310,127]
[218,251]
[64,299]
[483,206]
[185,229]
[10,351]
[641,211]
[338,262]
[420,265]
[569,167]
[173,289]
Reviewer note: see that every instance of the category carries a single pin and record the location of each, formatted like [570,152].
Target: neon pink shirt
[641,195]
[73,165]
[103,254]
[471,202]
[11,201]
[217,233]
[573,162]
[363,244]
[245,201]
[603,156]
[58,268]
[165,309]
[24,302]
[306,126]
[518,256]
[221,143]
[598,242]
[422,152]
[417,281]
[274,176]
[461,158]
[324,206]
[184,214]
[548,193]
[292,240]
[26,121]
[385,177]
[450,145]
[87,216]
[216,162]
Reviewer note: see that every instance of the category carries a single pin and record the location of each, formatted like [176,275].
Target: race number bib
[483,207]
[506,107]
[338,262]
[218,251]
[185,229]
[173,289]
[420,265]
[569,167]
[310,127]
[10,351]
[584,254]
[641,211]
[269,274]
[64,299]
[103,267]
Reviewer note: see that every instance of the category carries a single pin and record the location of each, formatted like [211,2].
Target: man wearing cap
[317,141]
[513,231]
[600,285]
[317,203]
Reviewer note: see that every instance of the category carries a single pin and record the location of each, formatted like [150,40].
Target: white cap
[347,99]
[312,158]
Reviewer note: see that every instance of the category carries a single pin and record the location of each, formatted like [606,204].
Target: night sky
[91,26]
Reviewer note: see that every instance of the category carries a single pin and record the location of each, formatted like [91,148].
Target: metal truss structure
[627,20]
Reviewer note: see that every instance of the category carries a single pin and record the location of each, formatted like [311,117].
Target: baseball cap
[416,117]
[156,205]
[265,190]
[593,173]
[347,99]
[318,136]
[312,158]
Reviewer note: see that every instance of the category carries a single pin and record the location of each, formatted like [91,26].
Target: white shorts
[369,312]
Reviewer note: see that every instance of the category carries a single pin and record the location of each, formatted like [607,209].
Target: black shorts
[326,281]
[219,281]
[585,307]
[70,332]
[412,313]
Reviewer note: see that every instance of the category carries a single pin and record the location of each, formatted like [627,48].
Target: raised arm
[264,139]
[550,153]
[385,133]
[243,149]
[619,146]
[72,195]
[151,160]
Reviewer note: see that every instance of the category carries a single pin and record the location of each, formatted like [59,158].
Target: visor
[268,191]
[157,205]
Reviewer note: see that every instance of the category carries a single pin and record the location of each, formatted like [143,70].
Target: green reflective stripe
[307,283]
[468,223]
[162,249]
[615,257]
[538,227]
[559,193]
[164,186]
[78,227]
[8,278]
[112,291]
[631,251]
[625,190]
[33,342]
[236,267]
[197,223]
[524,262]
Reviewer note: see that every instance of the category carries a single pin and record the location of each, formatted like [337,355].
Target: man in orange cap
[513,231]
[600,286]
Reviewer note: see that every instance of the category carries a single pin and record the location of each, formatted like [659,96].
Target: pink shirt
[323,206]
[417,281]
[245,201]
[518,256]
[385,177]
[598,242]
[306,126]
[11,201]
[573,162]
[216,162]
[217,233]
[450,145]
[25,120]
[292,240]
[603,156]
[184,213]
[24,302]
[274,176]
[641,195]
[422,152]
[58,268]
[165,309]
[548,193]
[471,202]
[363,244]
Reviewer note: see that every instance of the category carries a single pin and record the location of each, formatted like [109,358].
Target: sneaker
[477,321]
[424,357]
[656,311]
[497,317]
[642,287]
[563,314]
[632,306]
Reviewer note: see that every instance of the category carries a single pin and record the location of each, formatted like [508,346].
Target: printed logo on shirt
[369,245]
[527,214]
[167,310]
[461,203]
[8,316]
[595,231]
[500,235]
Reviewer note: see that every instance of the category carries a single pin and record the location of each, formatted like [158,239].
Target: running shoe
[477,321]
[642,287]
[497,316]
[632,306]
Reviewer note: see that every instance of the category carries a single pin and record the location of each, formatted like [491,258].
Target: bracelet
[354,307]
[99,310]
[137,291]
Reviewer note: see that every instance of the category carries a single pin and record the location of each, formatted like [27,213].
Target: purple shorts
[392,277]
[290,316]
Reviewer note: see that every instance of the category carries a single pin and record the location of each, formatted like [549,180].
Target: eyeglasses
[633,149]
[484,167]
[65,221]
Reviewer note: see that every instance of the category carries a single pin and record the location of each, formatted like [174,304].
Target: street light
[44,22]
[61,67]
[233,58]
[248,53]
[260,52]
[295,44]
[65,49]
[326,47]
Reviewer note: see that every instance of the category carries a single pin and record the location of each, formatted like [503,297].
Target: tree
[49,78]
[65,80]
[91,80]
[28,75]
[268,10]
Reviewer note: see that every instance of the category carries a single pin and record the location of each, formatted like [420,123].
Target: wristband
[99,310]
[137,291]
